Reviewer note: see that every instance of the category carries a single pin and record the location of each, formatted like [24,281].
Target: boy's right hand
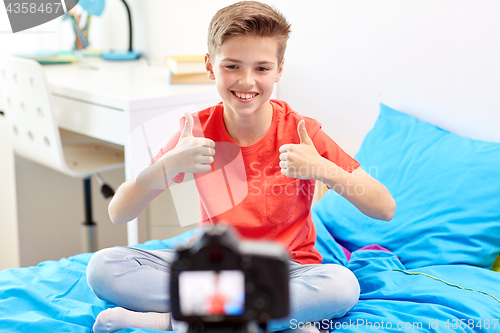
[192,154]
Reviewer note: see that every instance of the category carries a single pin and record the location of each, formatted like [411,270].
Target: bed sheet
[54,296]
[444,298]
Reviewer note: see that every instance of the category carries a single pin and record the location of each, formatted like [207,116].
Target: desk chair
[36,136]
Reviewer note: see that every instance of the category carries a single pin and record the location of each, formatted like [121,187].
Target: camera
[221,284]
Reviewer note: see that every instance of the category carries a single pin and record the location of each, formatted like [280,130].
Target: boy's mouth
[244,96]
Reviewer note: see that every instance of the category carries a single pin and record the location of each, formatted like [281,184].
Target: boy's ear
[209,67]
[280,71]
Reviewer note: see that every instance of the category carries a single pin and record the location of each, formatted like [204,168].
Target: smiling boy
[284,154]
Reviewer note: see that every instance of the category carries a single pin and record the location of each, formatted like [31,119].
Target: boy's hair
[248,18]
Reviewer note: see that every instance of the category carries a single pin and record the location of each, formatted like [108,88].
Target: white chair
[36,136]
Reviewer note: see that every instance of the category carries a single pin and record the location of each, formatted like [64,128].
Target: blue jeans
[138,280]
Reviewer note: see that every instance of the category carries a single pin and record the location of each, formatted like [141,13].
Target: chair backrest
[28,109]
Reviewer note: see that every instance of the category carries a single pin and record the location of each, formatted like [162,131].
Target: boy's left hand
[300,160]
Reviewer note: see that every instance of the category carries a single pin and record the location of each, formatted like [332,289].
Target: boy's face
[245,69]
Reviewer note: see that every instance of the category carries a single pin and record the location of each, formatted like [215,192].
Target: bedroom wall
[437,60]
[9,241]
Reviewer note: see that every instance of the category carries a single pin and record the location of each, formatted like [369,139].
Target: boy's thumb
[304,137]
[188,126]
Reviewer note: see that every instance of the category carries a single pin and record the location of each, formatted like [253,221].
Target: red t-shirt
[246,188]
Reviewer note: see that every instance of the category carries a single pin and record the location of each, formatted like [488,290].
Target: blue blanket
[55,297]
[445,298]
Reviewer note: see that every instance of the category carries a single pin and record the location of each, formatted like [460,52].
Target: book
[190,78]
[186,64]
[50,57]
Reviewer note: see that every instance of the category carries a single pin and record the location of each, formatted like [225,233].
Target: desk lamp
[96,7]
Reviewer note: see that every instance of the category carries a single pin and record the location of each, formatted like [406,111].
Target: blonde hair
[248,18]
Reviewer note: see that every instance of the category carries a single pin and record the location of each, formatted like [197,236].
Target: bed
[429,269]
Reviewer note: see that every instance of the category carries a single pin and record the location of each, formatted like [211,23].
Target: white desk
[107,100]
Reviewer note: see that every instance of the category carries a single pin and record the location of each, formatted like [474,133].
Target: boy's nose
[246,79]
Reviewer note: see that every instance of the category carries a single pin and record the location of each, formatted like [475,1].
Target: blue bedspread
[54,297]
[395,301]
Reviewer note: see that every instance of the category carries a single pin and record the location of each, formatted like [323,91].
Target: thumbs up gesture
[192,154]
[299,160]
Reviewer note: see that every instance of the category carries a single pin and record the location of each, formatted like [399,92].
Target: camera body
[221,284]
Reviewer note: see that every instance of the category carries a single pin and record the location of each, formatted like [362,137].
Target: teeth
[245,96]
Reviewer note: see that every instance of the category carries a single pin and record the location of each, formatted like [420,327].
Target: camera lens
[216,256]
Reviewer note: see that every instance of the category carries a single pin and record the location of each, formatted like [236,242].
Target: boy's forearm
[359,188]
[159,175]
[134,195]
[129,201]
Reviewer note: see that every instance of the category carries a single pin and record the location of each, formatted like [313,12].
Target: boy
[283,153]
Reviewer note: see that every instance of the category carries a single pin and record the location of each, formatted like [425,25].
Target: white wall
[435,59]
[9,236]
[53,35]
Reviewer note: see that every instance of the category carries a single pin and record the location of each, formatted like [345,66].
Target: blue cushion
[446,188]
[330,250]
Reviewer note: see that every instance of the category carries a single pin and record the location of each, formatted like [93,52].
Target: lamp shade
[96,7]
[93,7]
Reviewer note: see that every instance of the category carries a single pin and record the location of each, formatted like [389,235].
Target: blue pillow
[330,250]
[447,193]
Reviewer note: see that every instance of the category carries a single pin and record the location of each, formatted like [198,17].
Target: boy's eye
[231,66]
[262,69]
